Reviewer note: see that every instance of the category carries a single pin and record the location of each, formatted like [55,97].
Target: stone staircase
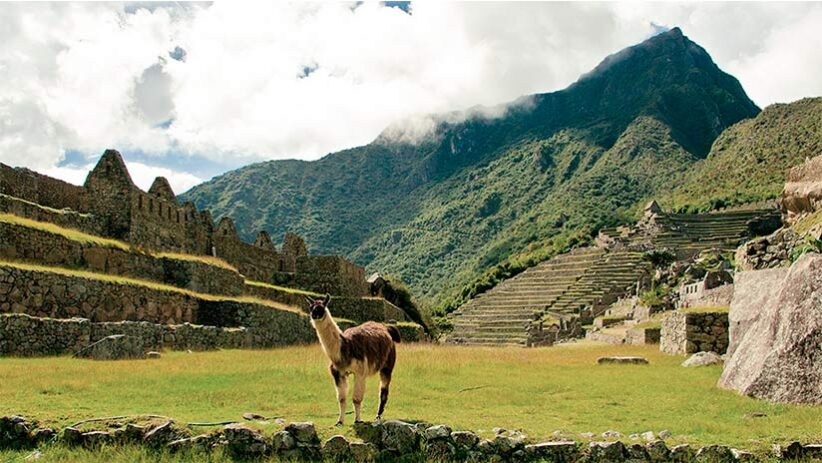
[559,287]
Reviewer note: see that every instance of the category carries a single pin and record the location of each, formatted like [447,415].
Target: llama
[362,350]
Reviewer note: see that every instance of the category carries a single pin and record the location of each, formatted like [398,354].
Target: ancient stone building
[110,205]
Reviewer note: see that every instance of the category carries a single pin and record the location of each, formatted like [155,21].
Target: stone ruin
[111,206]
[151,273]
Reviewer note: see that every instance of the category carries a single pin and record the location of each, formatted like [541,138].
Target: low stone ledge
[383,441]
[622,361]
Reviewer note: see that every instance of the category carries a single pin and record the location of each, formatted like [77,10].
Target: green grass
[724,309]
[538,390]
[121,280]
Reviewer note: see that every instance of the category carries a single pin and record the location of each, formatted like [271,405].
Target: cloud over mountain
[237,83]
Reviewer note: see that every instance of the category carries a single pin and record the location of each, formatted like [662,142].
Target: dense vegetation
[487,197]
[748,162]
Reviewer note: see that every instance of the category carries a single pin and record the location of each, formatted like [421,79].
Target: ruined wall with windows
[110,205]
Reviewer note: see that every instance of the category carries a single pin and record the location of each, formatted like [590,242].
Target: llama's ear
[309,301]
[327,300]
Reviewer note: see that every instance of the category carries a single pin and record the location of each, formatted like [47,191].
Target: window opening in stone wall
[140,202]
[150,205]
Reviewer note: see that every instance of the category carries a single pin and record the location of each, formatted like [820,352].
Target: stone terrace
[692,233]
[557,287]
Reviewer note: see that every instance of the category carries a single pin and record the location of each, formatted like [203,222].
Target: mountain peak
[670,78]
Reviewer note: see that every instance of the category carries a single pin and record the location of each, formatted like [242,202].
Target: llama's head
[317,307]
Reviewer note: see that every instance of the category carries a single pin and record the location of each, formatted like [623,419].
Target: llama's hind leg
[341,382]
[385,382]
[359,394]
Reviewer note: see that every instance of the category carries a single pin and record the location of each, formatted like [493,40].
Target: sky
[189,91]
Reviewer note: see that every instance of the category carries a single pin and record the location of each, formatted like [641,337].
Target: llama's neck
[330,337]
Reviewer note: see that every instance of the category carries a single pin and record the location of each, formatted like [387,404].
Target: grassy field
[537,390]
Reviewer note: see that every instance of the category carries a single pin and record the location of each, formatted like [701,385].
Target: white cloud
[143,175]
[89,76]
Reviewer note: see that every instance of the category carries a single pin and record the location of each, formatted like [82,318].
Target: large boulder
[753,290]
[701,359]
[778,356]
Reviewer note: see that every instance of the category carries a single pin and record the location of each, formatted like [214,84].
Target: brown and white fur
[362,351]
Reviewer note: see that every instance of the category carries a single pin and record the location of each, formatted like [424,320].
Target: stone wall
[65,218]
[358,309]
[42,189]
[54,295]
[378,441]
[42,247]
[686,332]
[256,263]
[176,337]
[26,336]
[331,274]
[267,326]
[46,294]
[157,223]
[642,336]
[770,251]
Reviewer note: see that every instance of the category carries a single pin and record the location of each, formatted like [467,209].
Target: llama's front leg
[359,394]
[341,382]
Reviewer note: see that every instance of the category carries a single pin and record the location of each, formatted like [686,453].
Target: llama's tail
[394,332]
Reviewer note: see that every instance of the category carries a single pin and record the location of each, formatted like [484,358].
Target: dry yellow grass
[282,288]
[85,238]
[68,233]
[121,280]
[40,206]
[208,260]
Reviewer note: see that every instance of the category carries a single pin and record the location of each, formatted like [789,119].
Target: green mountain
[749,161]
[477,190]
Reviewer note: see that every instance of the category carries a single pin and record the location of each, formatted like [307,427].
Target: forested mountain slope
[439,211]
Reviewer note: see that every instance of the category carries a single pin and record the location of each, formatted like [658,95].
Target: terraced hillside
[592,278]
[691,233]
[557,287]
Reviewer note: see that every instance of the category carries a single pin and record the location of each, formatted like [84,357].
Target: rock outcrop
[778,356]
[753,290]
[803,190]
